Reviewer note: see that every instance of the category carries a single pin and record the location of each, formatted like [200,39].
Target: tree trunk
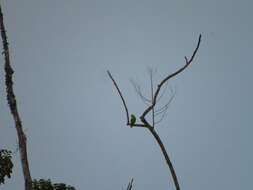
[13,107]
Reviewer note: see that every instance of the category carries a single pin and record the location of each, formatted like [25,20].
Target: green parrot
[133,120]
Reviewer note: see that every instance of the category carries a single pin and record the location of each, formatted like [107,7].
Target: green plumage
[132,120]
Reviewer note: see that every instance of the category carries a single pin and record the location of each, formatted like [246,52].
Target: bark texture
[11,99]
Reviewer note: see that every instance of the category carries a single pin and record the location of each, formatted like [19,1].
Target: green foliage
[132,120]
[6,165]
[43,184]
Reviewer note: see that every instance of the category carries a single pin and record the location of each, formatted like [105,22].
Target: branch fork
[145,123]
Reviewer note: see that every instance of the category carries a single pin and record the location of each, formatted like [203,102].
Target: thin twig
[121,96]
[165,106]
[11,99]
[137,89]
[164,109]
[124,103]
[152,95]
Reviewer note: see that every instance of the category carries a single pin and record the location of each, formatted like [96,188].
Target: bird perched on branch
[132,120]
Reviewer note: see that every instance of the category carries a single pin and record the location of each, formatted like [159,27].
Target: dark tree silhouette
[43,184]
[6,165]
[14,108]
[152,103]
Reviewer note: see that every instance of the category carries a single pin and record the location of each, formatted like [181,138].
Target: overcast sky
[74,119]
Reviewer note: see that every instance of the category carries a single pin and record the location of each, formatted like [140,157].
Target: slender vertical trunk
[13,107]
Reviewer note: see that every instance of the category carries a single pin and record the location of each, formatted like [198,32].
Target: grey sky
[74,119]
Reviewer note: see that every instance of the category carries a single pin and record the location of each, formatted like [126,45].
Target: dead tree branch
[11,99]
[130,184]
[187,63]
[123,101]
[121,96]
[151,129]
[154,97]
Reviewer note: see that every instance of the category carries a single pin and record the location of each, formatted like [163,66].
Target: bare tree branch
[187,63]
[166,156]
[142,117]
[124,103]
[152,95]
[11,99]
[130,184]
[165,106]
[121,96]
[162,110]
[163,115]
